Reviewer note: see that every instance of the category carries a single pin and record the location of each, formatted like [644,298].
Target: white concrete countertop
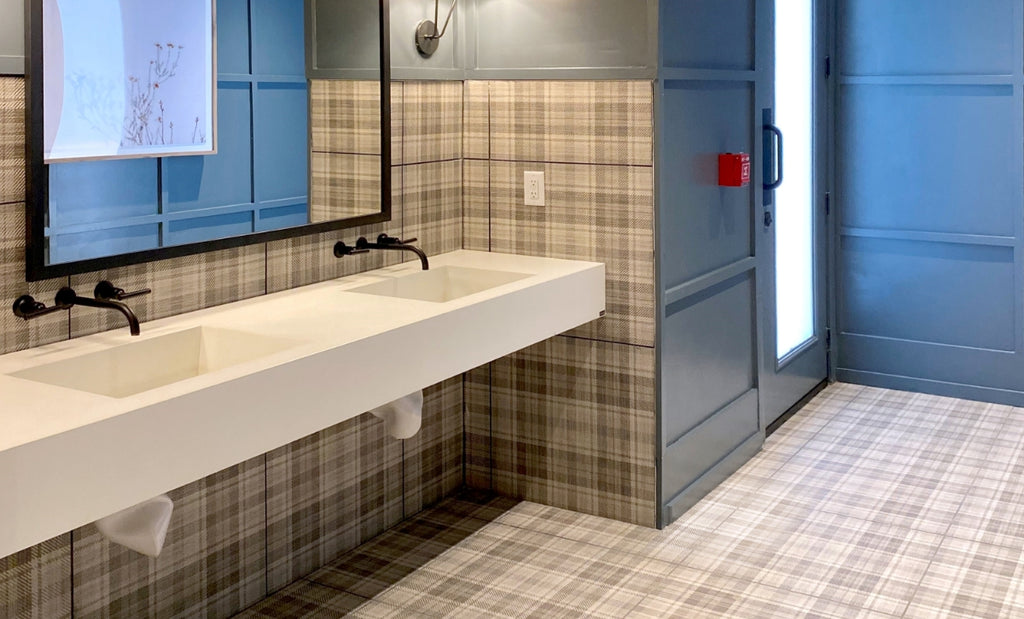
[69,457]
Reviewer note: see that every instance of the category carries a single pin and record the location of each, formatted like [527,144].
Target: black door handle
[773,165]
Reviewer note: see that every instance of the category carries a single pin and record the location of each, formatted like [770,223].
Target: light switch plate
[533,188]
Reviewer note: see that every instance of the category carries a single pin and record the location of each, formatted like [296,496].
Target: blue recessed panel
[280,217]
[693,34]
[233,36]
[222,179]
[915,37]
[278,31]
[942,293]
[100,243]
[933,158]
[281,141]
[208,228]
[98,191]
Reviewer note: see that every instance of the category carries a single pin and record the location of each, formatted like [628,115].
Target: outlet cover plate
[533,188]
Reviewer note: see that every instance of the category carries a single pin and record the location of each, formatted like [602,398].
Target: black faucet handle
[341,250]
[65,297]
[28,308]
[26,305]
[384,239]
[109,292]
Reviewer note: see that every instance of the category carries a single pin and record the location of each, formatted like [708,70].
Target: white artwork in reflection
[127,78]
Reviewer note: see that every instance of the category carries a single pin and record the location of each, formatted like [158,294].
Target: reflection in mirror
[298,131]
[346,159]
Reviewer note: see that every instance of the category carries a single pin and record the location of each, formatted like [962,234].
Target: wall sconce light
[427,36]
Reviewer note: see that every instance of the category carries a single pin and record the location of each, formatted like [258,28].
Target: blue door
[792,237]
[930,150]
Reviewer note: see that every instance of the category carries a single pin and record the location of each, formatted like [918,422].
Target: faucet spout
[67,298]
[392,243]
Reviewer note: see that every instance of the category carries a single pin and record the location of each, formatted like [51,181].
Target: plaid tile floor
[868,503]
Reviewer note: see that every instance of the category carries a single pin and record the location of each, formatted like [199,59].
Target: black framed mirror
[292,145]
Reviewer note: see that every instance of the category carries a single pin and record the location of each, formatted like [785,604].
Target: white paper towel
[142,528]
[404,416]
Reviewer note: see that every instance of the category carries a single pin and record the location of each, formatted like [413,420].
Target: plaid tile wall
[573,122]
[212,569]
[432,122]
[479,463]
[476,127]
[573,426]
[12,140]
[432,206]
[179,285]
[328,493]
[433,458]
[534,433]
[476,205]
[213,562]
[594,212]
[36,582]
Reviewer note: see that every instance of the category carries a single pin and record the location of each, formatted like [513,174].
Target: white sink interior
[132,368]
[440,285]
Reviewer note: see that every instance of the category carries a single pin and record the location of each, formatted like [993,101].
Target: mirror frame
[37,177]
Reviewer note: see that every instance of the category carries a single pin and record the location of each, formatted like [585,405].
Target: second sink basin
[132,368]
[441,285]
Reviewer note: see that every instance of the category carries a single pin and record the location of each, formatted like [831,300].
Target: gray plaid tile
[213,562]
[12,140]
[344,186]
[598,213]
[478,459]
[36,582]
[476,124]
[327,494]
[304,600]
[179,285]
[432,121]
[392,556]
[345,117]
[971,579]
[573,427]
[573,122]
[476,205]
[432,207]
[15,333]
[433,457]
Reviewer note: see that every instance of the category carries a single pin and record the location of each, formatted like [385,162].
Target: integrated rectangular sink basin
[440,285]
[135,367]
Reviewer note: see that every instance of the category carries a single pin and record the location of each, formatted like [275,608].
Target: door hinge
[828,67]
[828,203]
[828,339]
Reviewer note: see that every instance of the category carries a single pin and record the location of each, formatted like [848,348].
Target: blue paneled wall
[257,181]
[930,187]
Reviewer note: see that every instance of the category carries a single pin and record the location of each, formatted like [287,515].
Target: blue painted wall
[930,190]
[257,181]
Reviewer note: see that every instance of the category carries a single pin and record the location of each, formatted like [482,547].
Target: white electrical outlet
[533,188]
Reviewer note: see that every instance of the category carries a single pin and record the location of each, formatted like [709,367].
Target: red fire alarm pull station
[733,170]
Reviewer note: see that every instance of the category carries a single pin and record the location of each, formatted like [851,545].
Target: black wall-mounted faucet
[389,242]
[105,296]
